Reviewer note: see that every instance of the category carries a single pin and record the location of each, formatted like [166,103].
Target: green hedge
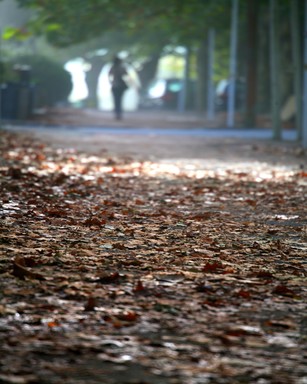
[52,82]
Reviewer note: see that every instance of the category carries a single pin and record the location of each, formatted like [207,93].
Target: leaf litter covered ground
[116,270]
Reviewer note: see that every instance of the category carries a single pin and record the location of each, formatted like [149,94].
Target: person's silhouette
[116,76]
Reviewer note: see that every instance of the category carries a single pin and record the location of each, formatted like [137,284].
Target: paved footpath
[165,137]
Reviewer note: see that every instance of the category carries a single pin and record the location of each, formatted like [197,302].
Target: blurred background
[242,59]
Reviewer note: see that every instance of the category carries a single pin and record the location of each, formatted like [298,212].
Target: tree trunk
[184,100]
[202,63]
[148,72]
[231,107]
[252,46]
[263,91]
[304,129]
[275,74]
[210,84]
[297,60]
[91,79]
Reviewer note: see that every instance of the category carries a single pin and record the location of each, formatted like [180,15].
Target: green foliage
[182,21]
[19,34]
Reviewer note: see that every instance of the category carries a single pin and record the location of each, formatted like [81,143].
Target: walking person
[119,86]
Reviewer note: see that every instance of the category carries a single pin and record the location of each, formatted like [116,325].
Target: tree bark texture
[252,56]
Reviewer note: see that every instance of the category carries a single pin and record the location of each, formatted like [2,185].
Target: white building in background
[77,69]
[131,95]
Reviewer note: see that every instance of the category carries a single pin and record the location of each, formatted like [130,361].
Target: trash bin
[24,92]
[23,103]
[17,101]
[17,98]
[9,100]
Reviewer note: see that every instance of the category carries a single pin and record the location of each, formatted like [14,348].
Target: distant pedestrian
[119,86]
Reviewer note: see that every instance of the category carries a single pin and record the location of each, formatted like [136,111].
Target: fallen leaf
[91,304]
[213,267]
[20,271]
[109,278]
[283,290]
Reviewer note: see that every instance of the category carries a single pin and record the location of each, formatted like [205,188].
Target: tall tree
[275,75]
[296,33]
[252,50]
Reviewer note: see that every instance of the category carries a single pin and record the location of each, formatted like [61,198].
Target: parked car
[164,94]
[222,93]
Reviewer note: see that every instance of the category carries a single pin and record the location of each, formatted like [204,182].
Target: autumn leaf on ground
[91,304]
[20,270]
[213,267]
[139,287]
[110,278]
[158,271]
[94,221]
[283,290]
